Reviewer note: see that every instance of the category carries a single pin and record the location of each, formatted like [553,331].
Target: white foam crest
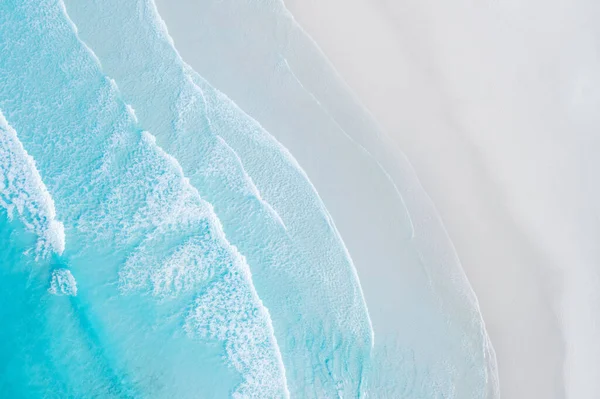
[22,190]
[225,163]
[187,107]
[76,31]
[186,267]
[168,276]
[265,138]
[158,218]
[159,23]
[250,187]
[62,283]
[260,135]
[246,325]
[234,315]
[131,112]
[174,207]
[151,194]
[169,203]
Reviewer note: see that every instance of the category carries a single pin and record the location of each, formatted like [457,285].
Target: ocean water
[157,241]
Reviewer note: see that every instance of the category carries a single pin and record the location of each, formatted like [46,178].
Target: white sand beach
[493,105]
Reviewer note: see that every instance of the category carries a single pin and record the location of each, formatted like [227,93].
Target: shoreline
[479,225]
[494,107]
[297,96]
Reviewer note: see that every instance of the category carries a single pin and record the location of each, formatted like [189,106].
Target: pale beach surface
[495,105]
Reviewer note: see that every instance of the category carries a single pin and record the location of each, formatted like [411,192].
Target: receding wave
[23,191]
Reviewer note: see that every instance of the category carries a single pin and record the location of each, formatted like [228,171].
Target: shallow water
[159,242]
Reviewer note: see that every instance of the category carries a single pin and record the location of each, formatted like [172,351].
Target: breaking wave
[22,191]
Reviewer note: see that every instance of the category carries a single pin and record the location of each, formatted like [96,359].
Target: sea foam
[229,309]
[269,209]
[128,200]
[63,283]
[23,191]
[331,117]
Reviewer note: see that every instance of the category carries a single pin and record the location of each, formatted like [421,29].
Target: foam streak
[23,191]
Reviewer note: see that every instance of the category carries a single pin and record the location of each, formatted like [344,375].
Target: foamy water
[22,191]
[207,263]
[63,283]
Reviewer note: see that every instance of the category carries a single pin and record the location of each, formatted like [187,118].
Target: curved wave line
[287,155]
[23,190]
[149,138]
[358,145]
[489,350]
[253,187]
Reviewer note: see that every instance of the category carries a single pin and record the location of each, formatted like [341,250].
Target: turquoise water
[158,242]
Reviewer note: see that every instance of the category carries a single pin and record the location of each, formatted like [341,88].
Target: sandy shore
[493,105]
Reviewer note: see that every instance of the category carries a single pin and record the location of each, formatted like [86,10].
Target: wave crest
[23,191]
[62,282]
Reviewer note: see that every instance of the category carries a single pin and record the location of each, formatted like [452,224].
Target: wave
[261,84]
[22,190]
[62,282]
[205,262]
[250,187]
[268,207]
[129,200]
